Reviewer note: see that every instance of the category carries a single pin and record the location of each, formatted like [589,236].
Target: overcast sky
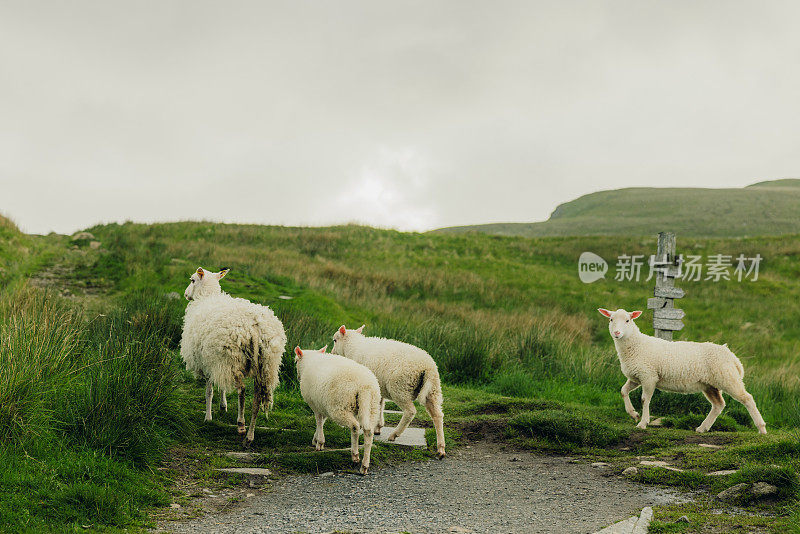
[411,115]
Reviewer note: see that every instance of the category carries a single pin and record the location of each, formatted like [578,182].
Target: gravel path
[481,488]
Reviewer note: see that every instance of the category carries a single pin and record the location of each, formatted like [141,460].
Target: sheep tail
[367,408]
[428,384]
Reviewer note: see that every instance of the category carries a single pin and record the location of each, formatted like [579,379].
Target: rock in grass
[630,471]
[599,464]
[762,489]
[682,519]
[734,492]
[724,472]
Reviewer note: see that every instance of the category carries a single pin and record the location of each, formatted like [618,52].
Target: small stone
[733,492]
[326,474]
[600,464]
[249,495]
[174,506]
[762,489]
[206,490]
[654,463]
[682,519]
[285,297]
[724,472]
[709,446]
[630,471]
[657,422]
[458,529]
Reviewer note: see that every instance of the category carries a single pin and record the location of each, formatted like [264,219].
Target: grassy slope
[766,208]
[502,316]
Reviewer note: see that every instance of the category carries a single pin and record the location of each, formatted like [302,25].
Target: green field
[520,347]
[765,208]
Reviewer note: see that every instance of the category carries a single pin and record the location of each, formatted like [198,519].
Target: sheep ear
[342,330]
[323,349]
[298,351]
[635,314]
[223,272]
[200,272]
[360,328]
[605,312]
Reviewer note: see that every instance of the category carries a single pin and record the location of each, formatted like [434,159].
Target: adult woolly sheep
[343,390]
[677,366]
[405,373]
[226,339]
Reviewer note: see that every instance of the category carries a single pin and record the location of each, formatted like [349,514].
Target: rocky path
[480,488]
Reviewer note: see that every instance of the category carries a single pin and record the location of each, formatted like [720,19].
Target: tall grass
[109,384]
[39,342]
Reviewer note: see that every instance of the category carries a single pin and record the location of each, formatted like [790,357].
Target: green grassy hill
[765,208]
[522,352]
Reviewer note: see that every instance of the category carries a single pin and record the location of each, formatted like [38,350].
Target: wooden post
[666,318]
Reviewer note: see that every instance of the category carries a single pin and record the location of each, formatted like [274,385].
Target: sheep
[226,339]
[405,373]
[343,390]
[677,366]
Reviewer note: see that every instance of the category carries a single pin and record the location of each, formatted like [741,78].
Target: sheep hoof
[356,459]
[363,470]
[319,446]
[207,418]
[642,425]
[377,431]
[241,429]
[635,416]
[700,430]
[392,437]
[762,430]
[441,454]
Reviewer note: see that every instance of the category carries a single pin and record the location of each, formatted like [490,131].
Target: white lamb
[226,339]
[405,373]
[677,366]
[343,390]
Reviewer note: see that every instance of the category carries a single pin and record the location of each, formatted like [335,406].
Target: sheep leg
[629,386]
[319,436]
[647,393]
[717,405]
[747,399]
[241,427]
[409,411]
[223,401]
[437,416]
[257,399]
[352,423]
[381,421]
[209,398]
[367,449]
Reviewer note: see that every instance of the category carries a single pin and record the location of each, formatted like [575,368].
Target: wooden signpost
[666,317]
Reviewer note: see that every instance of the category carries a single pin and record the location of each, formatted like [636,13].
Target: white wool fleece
[220,334]
[336,387]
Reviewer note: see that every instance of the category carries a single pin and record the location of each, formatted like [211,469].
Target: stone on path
[246,457]
[710,446]
[733,492]
[411,437]
[254,474]
[632,525]
[762,489]
[630,471]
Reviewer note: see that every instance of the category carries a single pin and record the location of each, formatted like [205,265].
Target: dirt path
[481,488]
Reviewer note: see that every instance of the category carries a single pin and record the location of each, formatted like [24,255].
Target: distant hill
[765,208]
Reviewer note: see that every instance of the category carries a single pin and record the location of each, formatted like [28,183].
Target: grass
[522,351]
[766,208]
